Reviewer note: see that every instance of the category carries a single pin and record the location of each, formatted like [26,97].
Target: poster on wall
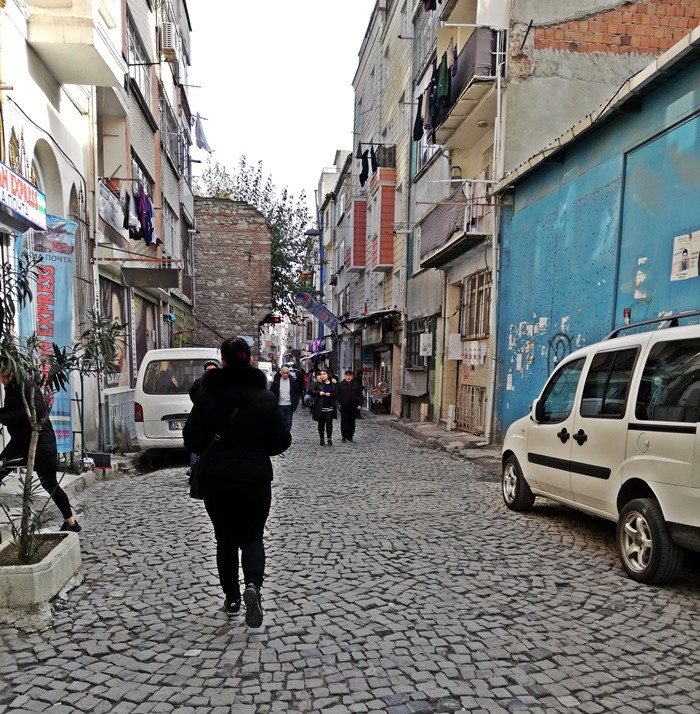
[113,306]
[50,315]
[686,256]
[145,326]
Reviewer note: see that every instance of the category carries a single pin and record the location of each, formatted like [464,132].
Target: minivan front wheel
[644,545]
[516,493]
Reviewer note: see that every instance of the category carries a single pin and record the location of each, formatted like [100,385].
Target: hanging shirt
[373,158]
[418,125]
[365,168]
[443,83]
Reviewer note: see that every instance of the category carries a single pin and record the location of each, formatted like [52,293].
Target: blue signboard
[50,313]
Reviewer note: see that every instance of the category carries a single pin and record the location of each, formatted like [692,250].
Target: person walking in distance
[324,409]
[235,405]
[13,417]
[286,391]
[350,405]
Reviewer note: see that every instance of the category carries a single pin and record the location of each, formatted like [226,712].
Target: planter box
[25,586]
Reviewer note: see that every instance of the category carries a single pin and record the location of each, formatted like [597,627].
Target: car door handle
[564,435]
[580,437]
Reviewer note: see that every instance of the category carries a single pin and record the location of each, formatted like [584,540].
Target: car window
[560,392]
[670,386]
[607,384]
[173,376]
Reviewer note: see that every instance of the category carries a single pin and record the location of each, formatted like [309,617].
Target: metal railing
[470,409]
[119,428]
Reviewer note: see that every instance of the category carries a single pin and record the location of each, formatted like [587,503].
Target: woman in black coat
[236,472]
[325,409]
[13,417]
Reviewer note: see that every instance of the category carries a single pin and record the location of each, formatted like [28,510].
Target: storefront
[378,339]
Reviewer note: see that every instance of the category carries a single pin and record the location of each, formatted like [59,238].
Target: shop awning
[453,249]
[373,316]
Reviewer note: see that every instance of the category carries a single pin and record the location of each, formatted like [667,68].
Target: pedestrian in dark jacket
[286,391]
[13,417]
[350,403]
[360,390]
[324,410]
[236,472]
[197,384]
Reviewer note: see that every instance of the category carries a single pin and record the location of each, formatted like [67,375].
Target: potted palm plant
[34,566]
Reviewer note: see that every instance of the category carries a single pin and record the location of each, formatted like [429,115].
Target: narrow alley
[397,582]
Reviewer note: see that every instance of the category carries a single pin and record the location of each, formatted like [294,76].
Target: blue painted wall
[594,235]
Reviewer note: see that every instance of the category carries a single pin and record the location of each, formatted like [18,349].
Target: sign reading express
[21,202]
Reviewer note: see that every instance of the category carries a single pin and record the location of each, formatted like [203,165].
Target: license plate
[176,425]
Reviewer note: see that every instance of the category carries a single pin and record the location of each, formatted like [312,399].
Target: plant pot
[26,586]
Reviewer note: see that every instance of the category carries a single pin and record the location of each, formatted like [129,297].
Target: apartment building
[93,114]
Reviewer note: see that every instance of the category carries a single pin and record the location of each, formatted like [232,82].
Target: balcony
[78,40]
[462,222]
[383,190]
[356,253]
[472,95]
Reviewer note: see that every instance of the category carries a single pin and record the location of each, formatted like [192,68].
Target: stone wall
[232,270]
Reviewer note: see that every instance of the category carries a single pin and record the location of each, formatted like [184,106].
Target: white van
[162,395]
[269,372]
[616,433]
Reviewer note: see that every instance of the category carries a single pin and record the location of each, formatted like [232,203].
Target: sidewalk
[71,483]
[459,443]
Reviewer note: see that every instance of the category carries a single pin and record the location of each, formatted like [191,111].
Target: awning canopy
[373,316]
[413,392]
[455,247]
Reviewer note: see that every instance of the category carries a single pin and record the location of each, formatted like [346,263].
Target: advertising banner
[50,314]
[114,306]
[320,312]
[22,204]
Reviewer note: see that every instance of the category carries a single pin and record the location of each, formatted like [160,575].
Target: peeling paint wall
[574,56]
[597,232]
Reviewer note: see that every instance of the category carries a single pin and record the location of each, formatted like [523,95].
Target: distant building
[232,265]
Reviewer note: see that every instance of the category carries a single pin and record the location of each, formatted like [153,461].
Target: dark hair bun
[236,352]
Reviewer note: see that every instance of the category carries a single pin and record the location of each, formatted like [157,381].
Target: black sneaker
[232,607]
[344,440]
[323,443]
[75,528]
[253,607]
[330,442]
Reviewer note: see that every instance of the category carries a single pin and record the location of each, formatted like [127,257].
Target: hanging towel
[427,117]
[365,168]
[358,153]
[373,158]
[455,58]
[418,125]
[433,97]
[134,225]
[124,203]
[202,142]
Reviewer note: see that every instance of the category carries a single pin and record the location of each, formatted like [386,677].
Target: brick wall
[232,270]
[642,27]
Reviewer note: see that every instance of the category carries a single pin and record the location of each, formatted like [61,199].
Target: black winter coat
[16,422]
[257,432]
[318,399]
[294,391]
[349,397]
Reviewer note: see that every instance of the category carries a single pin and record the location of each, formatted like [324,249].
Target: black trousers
[347,422]
[238,511]
[325,421]
[46,469]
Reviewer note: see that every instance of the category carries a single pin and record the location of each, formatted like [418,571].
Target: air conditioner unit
[168,41]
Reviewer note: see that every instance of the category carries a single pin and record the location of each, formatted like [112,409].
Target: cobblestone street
[397,582]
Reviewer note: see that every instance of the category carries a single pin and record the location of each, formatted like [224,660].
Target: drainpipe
[493,312]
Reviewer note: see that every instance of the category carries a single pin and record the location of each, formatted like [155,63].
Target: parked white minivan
[616,433]
[162,395]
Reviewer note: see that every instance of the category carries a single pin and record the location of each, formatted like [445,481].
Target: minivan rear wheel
[516,493]
[644,545]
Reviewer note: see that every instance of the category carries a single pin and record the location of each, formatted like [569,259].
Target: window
[138,173]
[309,331]
[385,71]
[358,116]
[139,62]
[425,150]
[175,376]
[169,132]
[371,89]
[416,249]
[170,243]
[559,394]
[670,386]
[475,306]
[607,384]
[413,359]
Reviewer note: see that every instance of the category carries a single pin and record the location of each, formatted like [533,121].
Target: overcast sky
[276,82]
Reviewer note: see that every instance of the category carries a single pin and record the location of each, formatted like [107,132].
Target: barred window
[413,359]
[475,305]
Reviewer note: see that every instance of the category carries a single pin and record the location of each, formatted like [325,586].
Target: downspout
[493,312]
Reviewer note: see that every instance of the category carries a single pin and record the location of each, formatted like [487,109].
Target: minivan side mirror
[538,411]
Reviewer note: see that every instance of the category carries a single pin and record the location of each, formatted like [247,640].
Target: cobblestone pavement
[397,582]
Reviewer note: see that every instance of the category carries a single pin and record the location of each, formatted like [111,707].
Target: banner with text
[320,312]
[50,314]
